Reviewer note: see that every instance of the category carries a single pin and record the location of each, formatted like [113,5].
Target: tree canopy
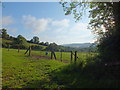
[21,42]
[35,39]
[105,22]
[4,34]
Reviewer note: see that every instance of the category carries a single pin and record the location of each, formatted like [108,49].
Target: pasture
[21,71]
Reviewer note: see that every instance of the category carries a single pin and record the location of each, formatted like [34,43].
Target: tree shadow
[76,76]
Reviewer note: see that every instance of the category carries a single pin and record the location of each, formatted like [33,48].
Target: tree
[35,39]
[12,38]
[31,41]
[53,47]
[46,43]
[21,42]
[41,43]
[4,34]
[37,47]
[102,15]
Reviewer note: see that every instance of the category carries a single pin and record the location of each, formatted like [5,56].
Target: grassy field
[21,71]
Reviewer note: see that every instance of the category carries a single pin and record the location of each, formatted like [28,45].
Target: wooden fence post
[61,56]
[26,51]
[51,54]
[54,55]
[75,56]
[71,56]
[8,47]
[30,51]
[18,49]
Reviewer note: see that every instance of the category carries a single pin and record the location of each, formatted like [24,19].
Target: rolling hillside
[79,45]
[10,42]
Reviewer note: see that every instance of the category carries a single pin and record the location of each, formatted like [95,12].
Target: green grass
[21,71]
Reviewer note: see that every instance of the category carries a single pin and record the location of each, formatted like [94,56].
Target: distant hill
[10,42]
[80,45]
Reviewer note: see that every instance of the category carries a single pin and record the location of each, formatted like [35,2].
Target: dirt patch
[46,57]
[40,57]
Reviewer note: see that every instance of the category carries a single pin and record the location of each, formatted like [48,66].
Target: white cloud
[37,25]
[76,33]
[7,20]
[60,25]
[78,28]
[59,31]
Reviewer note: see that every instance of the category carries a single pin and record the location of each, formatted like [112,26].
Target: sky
[45,20]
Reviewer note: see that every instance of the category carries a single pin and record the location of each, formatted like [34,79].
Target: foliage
[37,47]
[101,14]
[53,47]
[35,40]
[6,43]
[46,43]
[110,43]
[20,42]
[41,43]
[4,34]
[74,8]
[105,22]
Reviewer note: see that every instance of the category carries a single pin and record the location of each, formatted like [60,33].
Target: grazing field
[21,71]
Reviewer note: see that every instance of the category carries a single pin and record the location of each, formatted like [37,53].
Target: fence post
[26,51]
[75,56]
[61,56]
[51,54]
[30,51]
[8,47]
[54,55]
[71,56]
[18,49]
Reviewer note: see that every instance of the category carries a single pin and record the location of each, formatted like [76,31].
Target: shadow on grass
[76,76]
[93,75]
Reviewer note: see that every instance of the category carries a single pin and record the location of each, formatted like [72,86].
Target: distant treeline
[21,42]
